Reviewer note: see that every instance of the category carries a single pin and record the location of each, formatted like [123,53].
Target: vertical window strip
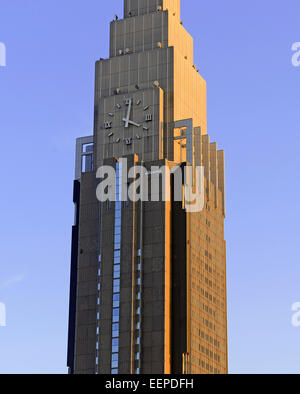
[98,315]
[116,273]
[138,314]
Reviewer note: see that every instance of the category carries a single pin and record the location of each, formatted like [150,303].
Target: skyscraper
[148,278]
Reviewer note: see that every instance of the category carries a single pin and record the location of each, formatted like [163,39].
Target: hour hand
[131,122]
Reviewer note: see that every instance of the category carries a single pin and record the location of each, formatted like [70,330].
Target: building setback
[148,278]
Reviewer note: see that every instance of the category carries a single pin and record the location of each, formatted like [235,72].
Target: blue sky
[243,50]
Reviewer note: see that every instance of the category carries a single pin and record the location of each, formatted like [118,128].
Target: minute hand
[126,120]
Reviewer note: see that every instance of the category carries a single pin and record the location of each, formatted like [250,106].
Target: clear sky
[243,50]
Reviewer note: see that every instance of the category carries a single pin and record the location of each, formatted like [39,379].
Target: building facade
[148,276]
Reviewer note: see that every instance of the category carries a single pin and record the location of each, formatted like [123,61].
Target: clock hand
[126,120]
[131,122]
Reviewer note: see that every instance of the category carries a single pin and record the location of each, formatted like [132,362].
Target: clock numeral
[138,137]
[110,135]
[119,106]
[127,101]
[148,118]
[147,107]
[111,114]
[145,128]
[138,102]
[117,140]
[107,125]
[127,141]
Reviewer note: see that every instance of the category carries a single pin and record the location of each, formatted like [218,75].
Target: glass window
[116,282]
[115,327]
[114,364]
[117,253]
[137,341]
[117,238]
[115,342]
[116,297]
[115,334]
[117,222]
[115,349]
[114,372]
[116,312]
[116,274]
[116,304]
[115,357]
[137,356]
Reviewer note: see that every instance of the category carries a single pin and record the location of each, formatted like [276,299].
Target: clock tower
[148,279]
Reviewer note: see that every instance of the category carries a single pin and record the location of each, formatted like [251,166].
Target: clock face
[133,114]
[131,123]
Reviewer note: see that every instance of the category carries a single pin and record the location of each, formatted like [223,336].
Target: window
[114,372]
[116,301]
[115,357]
[116,282]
